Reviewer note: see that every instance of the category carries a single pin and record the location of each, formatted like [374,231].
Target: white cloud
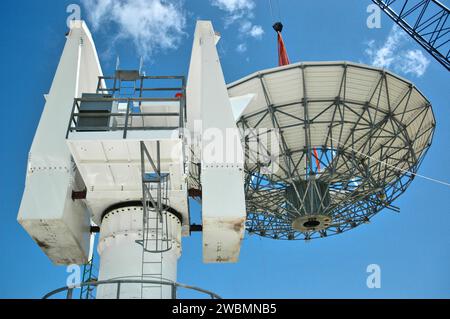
[254,31]
[393,54]
[415,62]
[241,13]
[257,31]
[241,48]
[234,6]
[151,25]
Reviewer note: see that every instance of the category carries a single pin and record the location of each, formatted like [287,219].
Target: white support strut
[215,135]
[59,225]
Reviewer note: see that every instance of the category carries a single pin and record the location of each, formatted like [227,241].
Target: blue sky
[412,248]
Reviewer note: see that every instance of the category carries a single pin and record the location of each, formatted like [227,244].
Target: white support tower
[112,151]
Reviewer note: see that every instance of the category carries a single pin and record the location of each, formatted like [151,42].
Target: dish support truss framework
[363,174]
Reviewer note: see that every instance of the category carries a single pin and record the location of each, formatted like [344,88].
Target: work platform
[107,127]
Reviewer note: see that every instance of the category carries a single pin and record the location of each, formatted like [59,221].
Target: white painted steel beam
[59,225]
[212,123]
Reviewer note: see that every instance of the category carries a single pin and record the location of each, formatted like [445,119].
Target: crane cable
[272,10]
[283,59]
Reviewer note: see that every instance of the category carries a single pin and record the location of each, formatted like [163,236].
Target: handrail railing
[120,282]
[76,115]
[108,120]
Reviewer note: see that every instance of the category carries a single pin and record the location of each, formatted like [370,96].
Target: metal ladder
[130,89]
[155,235]
[128,92]
[152,270]
[89,274]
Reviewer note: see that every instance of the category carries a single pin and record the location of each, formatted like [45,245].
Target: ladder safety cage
[127,102]
[156,233]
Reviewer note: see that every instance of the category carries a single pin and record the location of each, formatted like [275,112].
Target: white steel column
[59,225]
[221,153]
[121,257]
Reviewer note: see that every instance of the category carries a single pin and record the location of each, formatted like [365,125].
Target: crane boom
[426,21]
